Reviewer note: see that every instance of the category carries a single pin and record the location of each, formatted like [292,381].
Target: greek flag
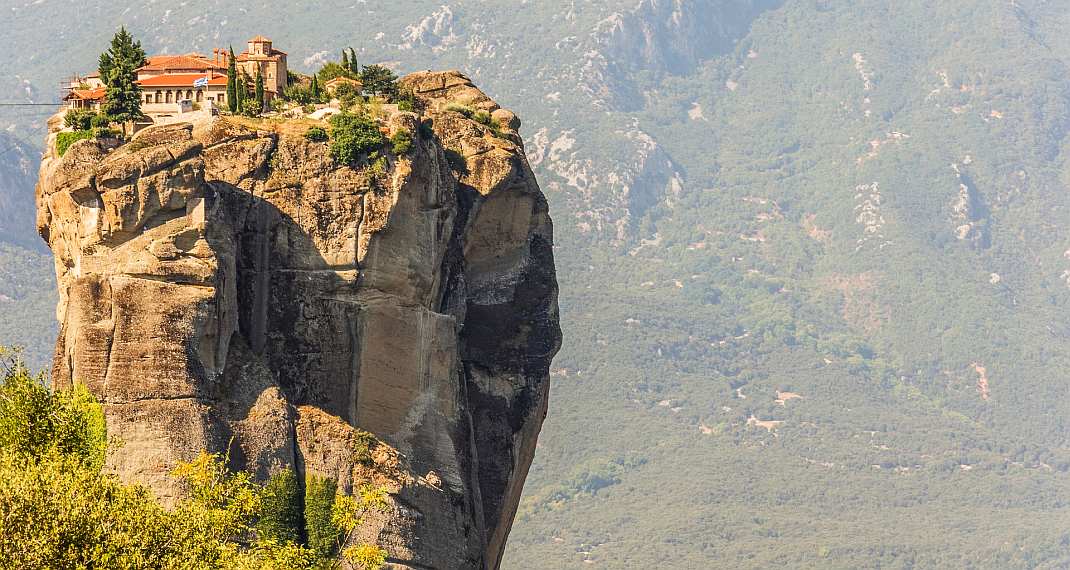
[202,82]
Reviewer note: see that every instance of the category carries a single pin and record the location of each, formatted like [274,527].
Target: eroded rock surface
[229,290]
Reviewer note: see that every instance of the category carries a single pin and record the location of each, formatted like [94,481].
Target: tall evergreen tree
[243,89]
[260,89]
[118,71]
[345,59]
[354,67]
[232,83]
[315,88]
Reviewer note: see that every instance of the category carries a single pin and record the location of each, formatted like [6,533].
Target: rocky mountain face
[240,292]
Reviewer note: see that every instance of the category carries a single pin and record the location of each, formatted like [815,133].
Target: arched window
[200,95]
[167,97]
[189,94]
[157,96]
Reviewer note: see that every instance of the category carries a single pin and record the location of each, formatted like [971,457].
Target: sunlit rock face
[238,291]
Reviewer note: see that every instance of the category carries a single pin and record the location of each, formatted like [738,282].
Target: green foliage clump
[316,134]
[379,165]
[99,121]
[66,139]
[401,142]
[482,117]
[331,519]
[353,135]
[365,556]
[78,119]
[407,101]
[319,527]
[61,510]
[35,422]
[251,107]
[462,109]
[281,516]
[379,80]
[333,69]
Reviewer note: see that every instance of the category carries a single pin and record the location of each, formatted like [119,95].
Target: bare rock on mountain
[229,290]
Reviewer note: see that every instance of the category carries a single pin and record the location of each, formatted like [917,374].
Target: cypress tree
[354,67]
[243,90]
[260,89]
[345,60]
[315,88]
[232,83]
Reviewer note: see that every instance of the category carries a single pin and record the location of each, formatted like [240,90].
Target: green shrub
[346,91]
[79,119]
[462,109]
[379,165]
[366,557]
[34,422]
[407,101]
[281,509]
[319,527]
[482,117]
[251,107]
[99,121]
[401,142]
[65,140]
[353,135]
[316,134]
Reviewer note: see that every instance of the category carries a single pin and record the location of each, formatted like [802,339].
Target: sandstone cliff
[236,290]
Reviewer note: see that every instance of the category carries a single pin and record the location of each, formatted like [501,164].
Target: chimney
[215,56]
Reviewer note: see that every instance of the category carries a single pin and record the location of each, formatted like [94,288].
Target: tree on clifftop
[260,90]
[232,83]
[118,71]
[354,67]
[379,80]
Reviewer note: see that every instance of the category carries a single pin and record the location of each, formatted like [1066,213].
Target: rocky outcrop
[239,291]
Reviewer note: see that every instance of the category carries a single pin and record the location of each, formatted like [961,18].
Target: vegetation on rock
[353,135]
[61,509]
[65,139]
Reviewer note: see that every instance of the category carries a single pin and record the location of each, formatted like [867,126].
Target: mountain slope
[853,318]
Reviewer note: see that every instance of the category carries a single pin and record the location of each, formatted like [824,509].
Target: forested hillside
[814,260]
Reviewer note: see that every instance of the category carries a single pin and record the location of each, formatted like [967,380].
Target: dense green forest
[814,260]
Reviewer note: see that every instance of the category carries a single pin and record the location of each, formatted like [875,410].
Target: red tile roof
[180,80]
[187,61]
[87,94]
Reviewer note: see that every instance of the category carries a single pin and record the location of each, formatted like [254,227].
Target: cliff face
[231,290]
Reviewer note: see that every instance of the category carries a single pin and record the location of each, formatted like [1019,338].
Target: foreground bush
[58,509]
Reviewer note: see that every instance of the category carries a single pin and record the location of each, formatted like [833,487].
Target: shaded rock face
[237,291]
